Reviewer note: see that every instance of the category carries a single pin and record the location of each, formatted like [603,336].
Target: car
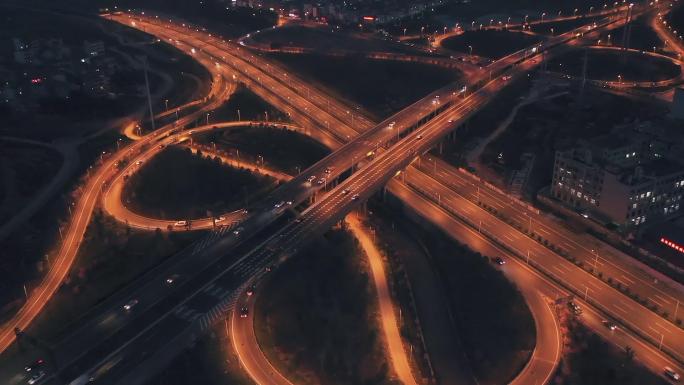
[328,170]
[419,137]
[391,125]
[244,312]
[171,279]
[238,230]
[245,211]
[499,261]
[575,308]
[311,178]
[289,203]
[37,364]
[138,163]
[321,181]
[220,219]
[345,191]
[130,304]
[355,197]
[161,146]
[36,377]
[610,325]
[250,290]
[180,223]
[671,374]
[506,78]
[268,269]
[279,204]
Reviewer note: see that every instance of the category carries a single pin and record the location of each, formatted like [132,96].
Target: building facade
[629,180]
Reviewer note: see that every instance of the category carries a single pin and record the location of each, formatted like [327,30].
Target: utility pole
[626,33]
[149,97]
[584,75]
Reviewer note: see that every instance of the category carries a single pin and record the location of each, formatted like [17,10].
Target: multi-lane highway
[526,276]
[373,174]
[368,143]
[146,333]
[632,314]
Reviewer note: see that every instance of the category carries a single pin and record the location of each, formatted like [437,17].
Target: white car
[180,223]
[671,374]
[130,304]
[138,163]
[220,219]
[238,231]
[355,197]
[170,280]
[311,178]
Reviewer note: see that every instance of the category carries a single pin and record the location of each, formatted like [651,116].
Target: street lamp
[542,16]
[595,259]
[470,47]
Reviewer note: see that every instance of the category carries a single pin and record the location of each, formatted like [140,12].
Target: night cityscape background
[361,192]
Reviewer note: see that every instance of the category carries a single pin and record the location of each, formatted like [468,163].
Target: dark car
[37,364]
[244,312]
[499,261]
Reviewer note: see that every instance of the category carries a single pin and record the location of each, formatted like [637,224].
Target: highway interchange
[378,154]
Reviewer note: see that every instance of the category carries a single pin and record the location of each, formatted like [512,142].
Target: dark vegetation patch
[177,184]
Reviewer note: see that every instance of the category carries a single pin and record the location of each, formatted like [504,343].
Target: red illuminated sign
[369,18]
[673,245]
